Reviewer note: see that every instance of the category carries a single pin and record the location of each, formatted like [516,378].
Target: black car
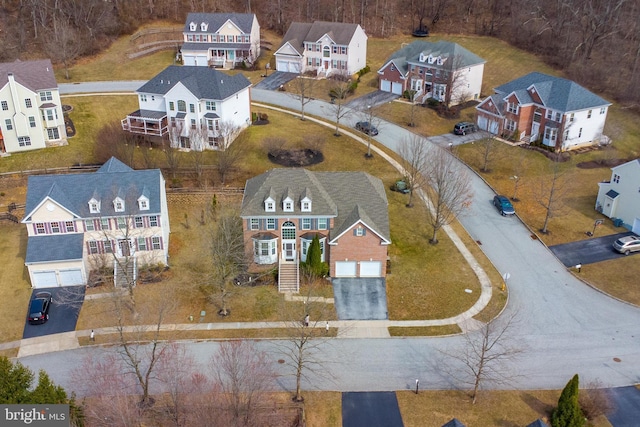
[367,128]
[39,308]
[503,205]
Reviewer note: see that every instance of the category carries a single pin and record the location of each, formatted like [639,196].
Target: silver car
[626,245]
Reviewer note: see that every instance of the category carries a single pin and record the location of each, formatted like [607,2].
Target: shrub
[568,413]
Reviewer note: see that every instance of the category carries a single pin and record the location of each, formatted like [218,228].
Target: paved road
[565,327]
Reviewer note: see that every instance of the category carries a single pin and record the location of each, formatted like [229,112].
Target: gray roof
[538,423]
[453,423]
[59,247]
[244,21]
[613,194]
[114,178]
[453,52]
[35,75]
[347,196]
[300,32]
[555,92]
[202,82]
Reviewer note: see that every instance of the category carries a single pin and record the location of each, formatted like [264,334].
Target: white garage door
[71,277]
[346,269]
[482,123]
[288,66]
[370,268]
[396,88]
[44,279]
[493,127]
[636,226]
[385,85]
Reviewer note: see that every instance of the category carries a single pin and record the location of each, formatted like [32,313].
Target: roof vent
[221,81]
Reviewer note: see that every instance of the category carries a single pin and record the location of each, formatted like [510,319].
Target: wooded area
[584,38]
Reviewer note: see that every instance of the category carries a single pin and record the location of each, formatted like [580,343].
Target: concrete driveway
[63,313]
[360,298]
[588,251]
[275,80]
[370,409]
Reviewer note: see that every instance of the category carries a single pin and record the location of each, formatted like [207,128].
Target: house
[537,107]
[442,70]
[322,47]
[223,40]
[283,209]
[30,108]
[619,198]
[196,107]
[538,423]
[454,422]
[77,223]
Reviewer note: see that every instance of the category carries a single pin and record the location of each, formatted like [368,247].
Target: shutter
[100,247]
[355,231]
[149,244]
[47,227]
[364,231]
[88,248]
[161,243]
[145,221]
[263,224]
[35,230]
[249,224]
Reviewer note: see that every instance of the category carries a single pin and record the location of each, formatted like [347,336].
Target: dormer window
[430,59]
[422,57]
[192,26]
[287,205]
[269,205]
[305,205]
[204,26]
[118,204]
[439,60]
[94,206]
[143,203]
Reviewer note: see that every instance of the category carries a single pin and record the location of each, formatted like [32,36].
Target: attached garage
[483,123]
[44,279]
[370,269]
[385,85]
[396,88]
[636,226]
[71,277]
[288,66]
[346,268]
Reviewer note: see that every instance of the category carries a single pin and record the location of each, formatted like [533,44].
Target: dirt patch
[297,158]
[608,163]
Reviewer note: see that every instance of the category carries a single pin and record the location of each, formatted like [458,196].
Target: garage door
[71,277]
[396,88]
[385,85]
[44,279]
[346,269]
[636,226]
[493,127]
[288,66]
[370,268]
[483,123]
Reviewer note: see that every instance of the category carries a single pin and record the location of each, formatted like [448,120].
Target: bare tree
[339,93]
[232,148]
[370,115]
[551,192]
[448,189]
[198,138]
[64,44]
[171,151]
[485,355]
[487,148]
[412,99]
[414,153]
[455,82]
[303,88]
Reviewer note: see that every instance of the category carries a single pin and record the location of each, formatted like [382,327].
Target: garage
[370,269]
[396,88]
[71,277]
[288,66]
[636,226]
[44,279]
[385,85]
[483,123]
[345,269]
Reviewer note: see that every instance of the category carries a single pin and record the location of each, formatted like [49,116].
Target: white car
[626,245]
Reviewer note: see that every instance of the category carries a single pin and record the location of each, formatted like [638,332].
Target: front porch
[146,122]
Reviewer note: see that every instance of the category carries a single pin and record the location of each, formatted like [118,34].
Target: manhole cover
[615,359]
[281,361]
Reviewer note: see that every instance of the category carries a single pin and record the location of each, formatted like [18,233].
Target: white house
[30,108]
[442,70]
[537,107]
[324,47]
[196,107]
[220,39]
[619,198]
[77,223]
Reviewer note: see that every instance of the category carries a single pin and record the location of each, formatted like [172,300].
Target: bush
[363,71]
[568,413]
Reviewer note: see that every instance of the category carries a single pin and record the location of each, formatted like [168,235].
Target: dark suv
[39,308]
[367,128]
[464,128]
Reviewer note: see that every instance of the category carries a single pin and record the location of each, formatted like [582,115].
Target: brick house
[283,209]
[537,107]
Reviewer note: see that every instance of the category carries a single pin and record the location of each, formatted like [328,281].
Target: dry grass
[323,409]
[424,331]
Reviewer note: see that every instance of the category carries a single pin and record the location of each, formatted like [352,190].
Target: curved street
[563,326]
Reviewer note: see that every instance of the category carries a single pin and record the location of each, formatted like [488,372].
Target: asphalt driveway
[626,406]
[371,100]
[275,80]
[63,313]
[369,409]
[360,298]
[588,251]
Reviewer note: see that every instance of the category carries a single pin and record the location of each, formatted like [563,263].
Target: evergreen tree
[47,392]
[313,263]
[568,412]
[15,381]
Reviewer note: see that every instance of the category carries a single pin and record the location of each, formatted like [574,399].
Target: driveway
[63,313]
[588,251]
[371,100]
[370,409]
[275,80]
[626,406]
[360,298]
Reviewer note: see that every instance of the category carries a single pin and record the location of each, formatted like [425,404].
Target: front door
[535,130]
[289,241]
[289,250]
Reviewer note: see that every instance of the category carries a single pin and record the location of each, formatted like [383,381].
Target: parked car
[626,245]
[367,128]
[464,128]
[39,308]
[503,205]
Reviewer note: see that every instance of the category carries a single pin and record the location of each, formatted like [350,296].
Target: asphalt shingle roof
[73,191]
[244,21]
[301,32]
[35,75]
[347,196]
[60,247]
[555,92]
[202,82]
[453,52]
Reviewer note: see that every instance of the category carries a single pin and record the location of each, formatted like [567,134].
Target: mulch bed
[297,158]
[594,164]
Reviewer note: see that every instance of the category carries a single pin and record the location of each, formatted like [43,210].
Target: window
[264,248]
[192,108]
[182,106]
[55,227]
[122,223]
[255,224]
[580,133]
[549,114]
[616,178]
[108,248]
[143,204]
[27,103]
[322,223]
[46,96]
[309,61]
[359,231]
[8,124]
[40,228]
[193,123]
[589,114]
[571,117]
[550,134]
[153,221]
[210,106]
[343,50]
[143,98]
[24,141]
[94,206]
[269,206]
[89,225]
[511,126]
[142,244]
[271,223]
[156,243]
[32,121]
[306,223]
[210,124]
[104,224]
[53,133]
[5,105]
[306,206]
[603,110]
[334,49]
[118,205]
[139,223]
[171,106]
[93,247]
[69,226]
[558,117]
